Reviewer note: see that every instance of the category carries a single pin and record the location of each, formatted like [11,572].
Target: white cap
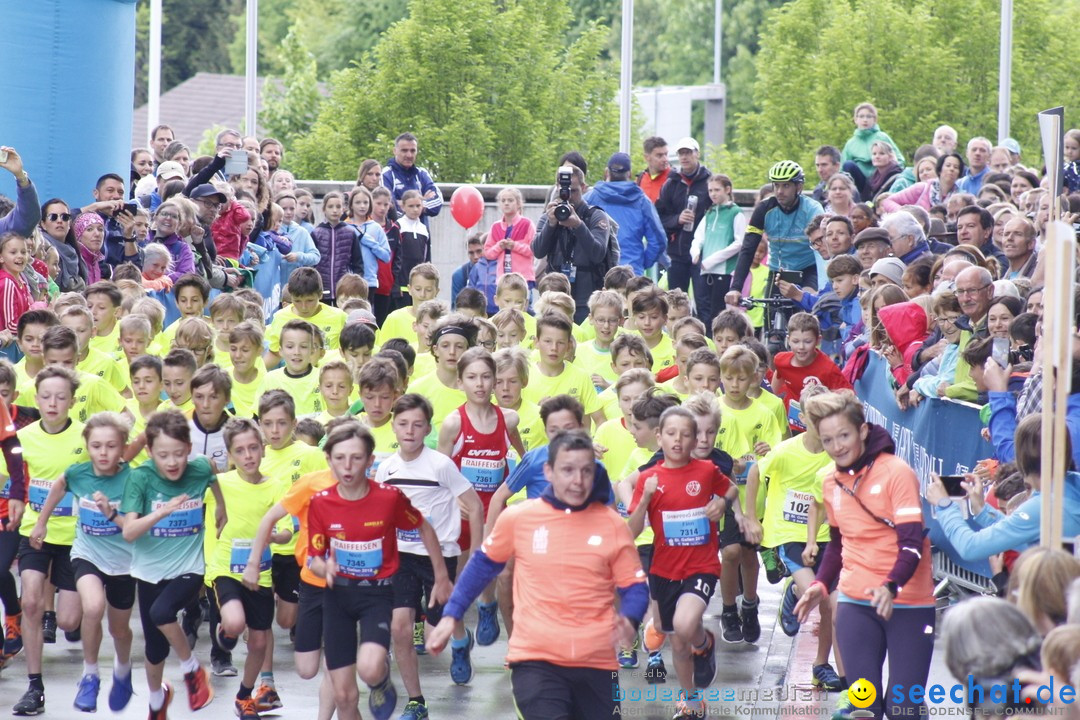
[688,143]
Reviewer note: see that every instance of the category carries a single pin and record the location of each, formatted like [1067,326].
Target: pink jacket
[917,194]
[905,324]
[521,257]
[229,240]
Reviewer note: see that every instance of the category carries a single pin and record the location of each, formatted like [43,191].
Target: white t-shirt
[432,483]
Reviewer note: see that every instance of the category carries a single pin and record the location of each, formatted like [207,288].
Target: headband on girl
[84,221]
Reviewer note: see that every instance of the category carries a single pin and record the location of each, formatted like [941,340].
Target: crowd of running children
[333,468]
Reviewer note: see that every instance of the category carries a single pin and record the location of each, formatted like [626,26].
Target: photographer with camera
[573,236]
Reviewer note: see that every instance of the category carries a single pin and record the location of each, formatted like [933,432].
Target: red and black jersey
[361,534]
[686,542]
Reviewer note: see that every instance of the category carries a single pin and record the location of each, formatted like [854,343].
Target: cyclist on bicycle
[783,217]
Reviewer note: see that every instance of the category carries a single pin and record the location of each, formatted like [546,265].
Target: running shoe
[226,641]
[655,672]
[418,640]
[246,709]
[267,699]
[654,639]
[48,627]
[86,697]
[414,711]
[31,703]
[487,623]
[163,713]
[705,663]
[751,627]
[461,670]
[844,708]
[199,691]
[683,711]
[120,693]
[382,699]
[788,622]
[826,678]
[223,667]
[731,627]
[13,643]
[775,568]
[628,659]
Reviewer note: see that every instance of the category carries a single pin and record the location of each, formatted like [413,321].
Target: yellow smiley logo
[862,693]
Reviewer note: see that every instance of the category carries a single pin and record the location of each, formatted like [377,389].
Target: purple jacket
[25,215]
[339,254]
[183,257]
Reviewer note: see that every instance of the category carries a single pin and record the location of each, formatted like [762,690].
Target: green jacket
[857,148]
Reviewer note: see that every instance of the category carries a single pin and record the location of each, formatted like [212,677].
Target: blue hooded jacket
[641,234]
[999,532]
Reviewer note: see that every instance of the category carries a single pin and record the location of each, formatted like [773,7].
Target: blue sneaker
[461,670]
[86,698]
[788,622]
[382,699]
[826,678]
[487,623]
[120,693]
[628,659]
[414,711]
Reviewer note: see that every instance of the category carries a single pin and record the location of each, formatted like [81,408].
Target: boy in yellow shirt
[628,352]
[306,291]
[380,386]
[94,362]
[450,337]
[134,338]
[246,367]
[748,431]
[423,286]
[511,379]
[512,293]
[650,312]
[178,367]
[226,312]
[594,356]
[60,347]
[685,346]
[104,300]
[192,293]
[429,313]
[509,328]
[28,336]
[556,376]
[298,377]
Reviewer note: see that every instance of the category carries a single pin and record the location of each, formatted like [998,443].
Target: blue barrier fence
[939,436]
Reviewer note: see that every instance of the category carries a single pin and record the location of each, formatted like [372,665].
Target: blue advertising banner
[940,436]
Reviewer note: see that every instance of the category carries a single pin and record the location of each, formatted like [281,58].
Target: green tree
[921,62]
[489,86]
[291,108]
[195,37]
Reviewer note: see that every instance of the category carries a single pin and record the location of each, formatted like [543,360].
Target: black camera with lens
[1024,353]
[563,210]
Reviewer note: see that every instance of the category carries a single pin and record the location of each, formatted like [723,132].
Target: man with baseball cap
[641,236]
[166,172]
[682,204]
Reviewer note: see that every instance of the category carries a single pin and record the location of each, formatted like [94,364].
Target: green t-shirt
[289,464]
[98,539]
[572,381]
[174,546]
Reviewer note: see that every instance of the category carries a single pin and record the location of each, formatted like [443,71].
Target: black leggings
[159,604]
[863,639]
[9,548]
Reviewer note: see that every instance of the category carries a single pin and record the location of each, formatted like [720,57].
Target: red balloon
[467,206]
